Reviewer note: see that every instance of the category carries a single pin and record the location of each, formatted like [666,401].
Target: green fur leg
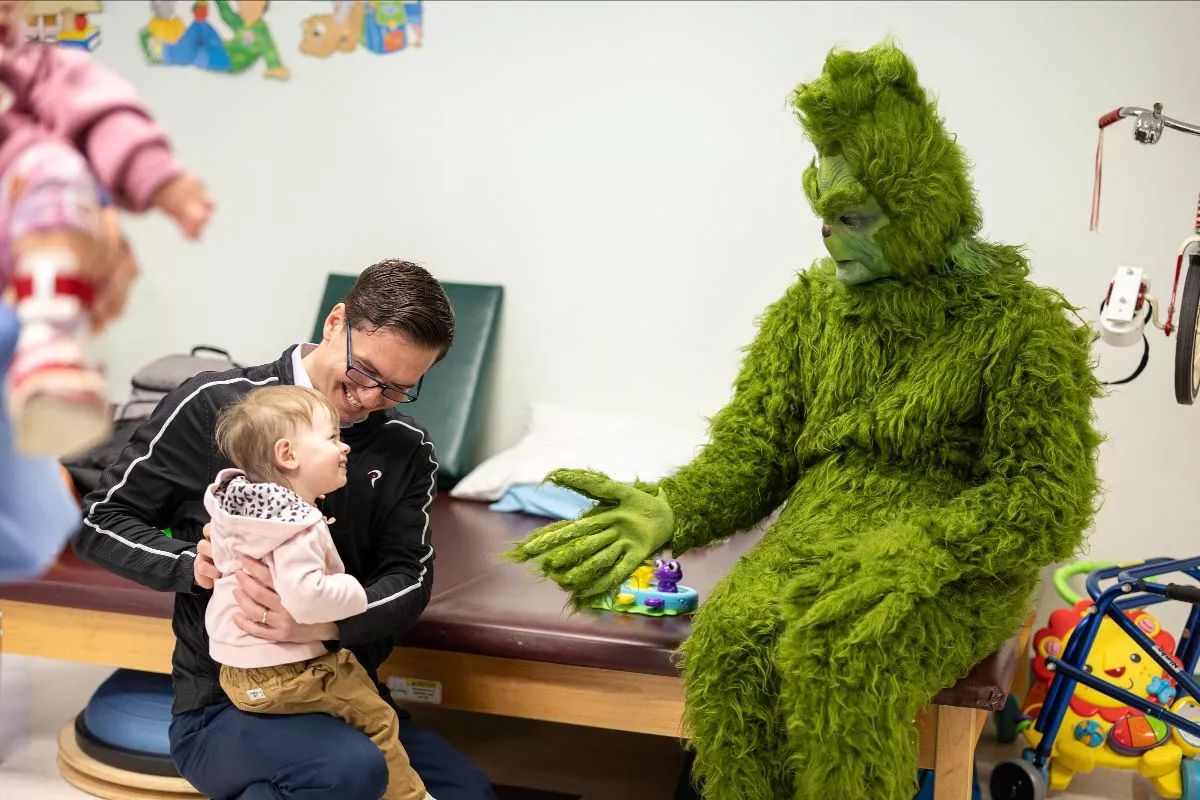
[850,707]
[732,705]
[783,703]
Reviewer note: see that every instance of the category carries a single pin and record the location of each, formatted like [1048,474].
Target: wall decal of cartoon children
[167,40]
[380,26]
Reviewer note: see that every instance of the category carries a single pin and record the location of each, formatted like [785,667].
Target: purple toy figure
[668,575]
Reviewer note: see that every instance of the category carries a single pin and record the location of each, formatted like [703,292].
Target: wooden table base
[622,701]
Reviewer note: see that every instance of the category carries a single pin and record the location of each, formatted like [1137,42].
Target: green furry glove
[592,556]
[877,580]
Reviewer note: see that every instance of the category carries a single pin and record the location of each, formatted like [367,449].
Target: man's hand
[263,612]
[206,571]
[185,200]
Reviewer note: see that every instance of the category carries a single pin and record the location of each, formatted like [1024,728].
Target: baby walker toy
[653,589]
[1128,304]
[1112,689]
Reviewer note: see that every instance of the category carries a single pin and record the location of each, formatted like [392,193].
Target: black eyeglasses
[369,381]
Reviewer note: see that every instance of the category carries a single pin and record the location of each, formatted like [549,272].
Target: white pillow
[624,448]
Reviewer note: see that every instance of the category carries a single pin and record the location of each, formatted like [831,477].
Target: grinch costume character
[921,411]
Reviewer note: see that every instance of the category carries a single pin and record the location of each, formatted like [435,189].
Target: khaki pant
[334,684]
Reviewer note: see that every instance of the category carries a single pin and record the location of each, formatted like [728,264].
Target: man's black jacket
[381,519]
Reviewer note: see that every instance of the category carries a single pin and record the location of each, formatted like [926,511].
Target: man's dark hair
[405,297]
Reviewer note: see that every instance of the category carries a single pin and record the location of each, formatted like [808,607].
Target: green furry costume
[923,413]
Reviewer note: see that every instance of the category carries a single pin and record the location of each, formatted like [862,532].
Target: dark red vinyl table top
[484,605]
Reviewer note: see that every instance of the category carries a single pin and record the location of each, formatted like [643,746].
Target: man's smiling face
[386,354]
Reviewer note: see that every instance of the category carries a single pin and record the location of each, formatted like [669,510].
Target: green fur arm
[1035,500]
[749,465]
[1041,487]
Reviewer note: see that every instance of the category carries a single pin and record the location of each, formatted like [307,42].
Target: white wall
[631,174]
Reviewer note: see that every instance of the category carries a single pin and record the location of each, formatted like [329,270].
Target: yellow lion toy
[1097,730]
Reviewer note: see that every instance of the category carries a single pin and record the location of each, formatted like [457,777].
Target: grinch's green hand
[592,556]
[875,581]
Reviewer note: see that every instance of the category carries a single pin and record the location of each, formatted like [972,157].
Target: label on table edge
[415,690]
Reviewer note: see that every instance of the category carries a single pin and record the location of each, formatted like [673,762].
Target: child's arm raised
[100,113]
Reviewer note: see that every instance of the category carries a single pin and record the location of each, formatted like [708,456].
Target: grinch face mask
[852,218]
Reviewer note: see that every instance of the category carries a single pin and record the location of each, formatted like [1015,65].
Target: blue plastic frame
[1133,589]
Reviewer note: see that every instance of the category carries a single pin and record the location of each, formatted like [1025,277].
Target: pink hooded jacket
[63,93]
[271,523]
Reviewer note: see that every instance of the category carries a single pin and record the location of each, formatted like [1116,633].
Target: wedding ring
[263,621]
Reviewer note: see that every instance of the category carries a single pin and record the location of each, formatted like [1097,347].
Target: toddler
[72,134]
[285,442]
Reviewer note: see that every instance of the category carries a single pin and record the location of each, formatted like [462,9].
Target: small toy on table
[653,589]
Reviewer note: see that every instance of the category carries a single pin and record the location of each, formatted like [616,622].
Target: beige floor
[1100,785]
[38,697]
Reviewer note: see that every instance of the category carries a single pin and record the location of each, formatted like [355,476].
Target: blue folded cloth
[38,513]
[543,500]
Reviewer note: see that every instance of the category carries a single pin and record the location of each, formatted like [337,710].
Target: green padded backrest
[451,403]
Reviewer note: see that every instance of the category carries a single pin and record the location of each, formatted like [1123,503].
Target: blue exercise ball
[132,711]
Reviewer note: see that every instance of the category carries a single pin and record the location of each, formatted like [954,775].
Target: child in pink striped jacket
[71,135]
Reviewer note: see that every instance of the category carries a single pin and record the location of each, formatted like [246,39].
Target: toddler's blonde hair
[247,431]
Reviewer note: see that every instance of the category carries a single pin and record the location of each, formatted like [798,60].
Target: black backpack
[148,387]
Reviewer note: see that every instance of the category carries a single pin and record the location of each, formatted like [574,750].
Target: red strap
[1094,223]
[17,377]
[63,285]
[1105,121]
[1175,288]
